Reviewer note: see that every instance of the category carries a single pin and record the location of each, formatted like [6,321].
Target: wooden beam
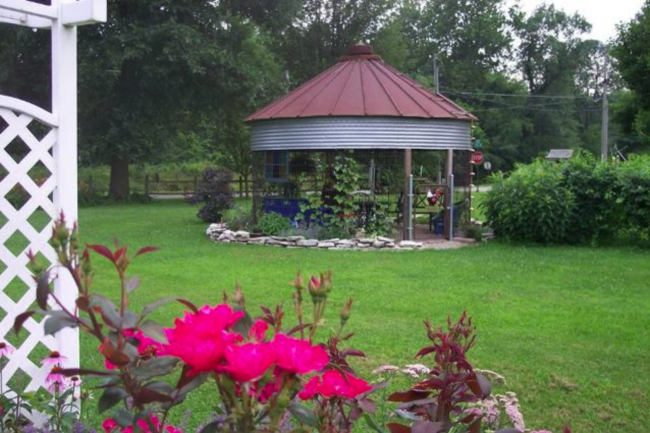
[29,8]
[83,12]
[29,109]
[22,19]
[64,106]
[257,184]
[408,162]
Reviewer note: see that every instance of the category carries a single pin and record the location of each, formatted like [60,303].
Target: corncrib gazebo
[406,137]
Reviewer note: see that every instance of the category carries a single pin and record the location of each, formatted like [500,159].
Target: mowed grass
[568,327]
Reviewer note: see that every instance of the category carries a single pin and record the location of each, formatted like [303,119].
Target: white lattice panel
[38,179]
[27,186]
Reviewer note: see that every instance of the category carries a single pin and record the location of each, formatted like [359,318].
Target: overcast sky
[602,14]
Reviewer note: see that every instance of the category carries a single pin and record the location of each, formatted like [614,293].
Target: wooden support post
[408,160]
[257,185]
[449,170]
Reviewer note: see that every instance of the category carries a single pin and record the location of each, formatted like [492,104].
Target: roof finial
[360,49]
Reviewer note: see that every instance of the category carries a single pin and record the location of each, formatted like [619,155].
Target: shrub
[578,201]
[634,196]
[595,190]
[531,205]
[239,219]
[214,193]
[273,224]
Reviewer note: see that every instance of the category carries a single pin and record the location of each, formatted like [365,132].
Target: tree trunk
[119,187]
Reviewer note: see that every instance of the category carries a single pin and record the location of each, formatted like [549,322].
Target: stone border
[220,233]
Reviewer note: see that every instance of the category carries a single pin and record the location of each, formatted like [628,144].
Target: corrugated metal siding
[361,133]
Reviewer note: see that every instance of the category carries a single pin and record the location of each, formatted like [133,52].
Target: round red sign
[477,158]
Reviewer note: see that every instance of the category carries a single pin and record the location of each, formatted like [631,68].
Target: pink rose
[110,426]
[200,339]
[334,383]
[310,389]
[299,356]
[258,331]
[249,362]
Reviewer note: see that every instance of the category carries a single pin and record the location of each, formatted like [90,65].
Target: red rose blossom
[258,331]
[249,362]
[110,426]
[310,389]
[200,339]
[299,356]
[334,383]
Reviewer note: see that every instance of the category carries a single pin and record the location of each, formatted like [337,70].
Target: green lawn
[568,327]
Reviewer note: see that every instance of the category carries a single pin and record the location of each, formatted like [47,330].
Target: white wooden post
[57,151]
[64,106]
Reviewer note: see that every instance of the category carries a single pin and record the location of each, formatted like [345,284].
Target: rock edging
[220,233]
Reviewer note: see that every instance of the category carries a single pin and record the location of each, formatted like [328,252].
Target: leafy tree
[633,121]
[549,55]
[25,60]
[275,15]
[632,52]
[323,30]
[471,38]
[159,67]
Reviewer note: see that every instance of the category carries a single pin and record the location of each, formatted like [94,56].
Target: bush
[634,197]
[531,205]
[579,201]
[595,189]
[215,193]
[273,224]
[239,219]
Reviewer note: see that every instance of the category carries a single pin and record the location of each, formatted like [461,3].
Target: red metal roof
[361,84]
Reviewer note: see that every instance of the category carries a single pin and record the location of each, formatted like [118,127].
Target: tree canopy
[173,79]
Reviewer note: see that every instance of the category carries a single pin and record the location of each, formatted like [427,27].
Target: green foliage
[531,205]
[214,194]
[347,180]
[342,212]
[273,224]
[239,219]
[634,197]
[323,31]
[472,229]
[578,201]
[594,187]
[633,55]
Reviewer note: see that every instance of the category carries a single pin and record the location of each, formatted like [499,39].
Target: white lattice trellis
[38,179]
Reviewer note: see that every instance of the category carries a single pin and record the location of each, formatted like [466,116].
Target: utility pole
[436,73]
[605,132]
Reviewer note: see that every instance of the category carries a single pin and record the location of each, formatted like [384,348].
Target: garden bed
[220,233]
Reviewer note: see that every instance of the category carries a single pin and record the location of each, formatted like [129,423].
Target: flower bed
[220,233]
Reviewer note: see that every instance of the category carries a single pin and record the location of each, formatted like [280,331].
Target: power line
[492,101]
[538,107]
[506,95]
[522,107]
